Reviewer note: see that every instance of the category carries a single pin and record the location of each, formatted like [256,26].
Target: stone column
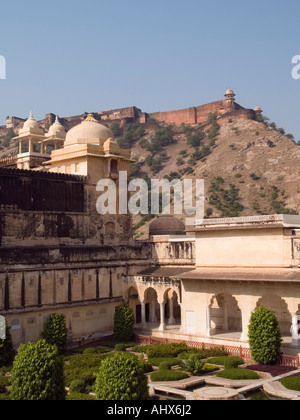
[294,331]
[143,305]
[246,315]
[30,147]
[171,306]
[162,316]
[208,322]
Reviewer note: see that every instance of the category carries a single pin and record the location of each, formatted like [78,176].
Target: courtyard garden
[121,370]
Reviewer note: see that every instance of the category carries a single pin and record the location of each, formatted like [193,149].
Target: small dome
[166,225]
[56,129]
[90,131]
[30,123]
[258,109]
[230,92]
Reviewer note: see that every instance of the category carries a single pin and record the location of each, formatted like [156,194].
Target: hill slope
[250,169]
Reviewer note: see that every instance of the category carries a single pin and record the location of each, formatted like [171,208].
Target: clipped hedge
[168,376]
[166,350]
[83,367]
[229,362]
[238,374]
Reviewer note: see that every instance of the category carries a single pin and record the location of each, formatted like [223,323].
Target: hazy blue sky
[71,56]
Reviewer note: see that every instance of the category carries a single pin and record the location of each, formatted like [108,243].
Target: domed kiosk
[91,150]
[166,225]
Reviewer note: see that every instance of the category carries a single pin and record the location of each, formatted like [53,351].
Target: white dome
[90,131]
[31,122]
[56,129]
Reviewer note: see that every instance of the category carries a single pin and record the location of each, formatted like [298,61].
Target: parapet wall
[199,115]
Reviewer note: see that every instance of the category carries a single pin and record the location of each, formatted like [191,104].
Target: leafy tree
[56,332]
[264,336]
[122,377]
[6,349]
[37,373]
[123,323]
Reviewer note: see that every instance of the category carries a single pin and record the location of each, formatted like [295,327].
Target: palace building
[59,255]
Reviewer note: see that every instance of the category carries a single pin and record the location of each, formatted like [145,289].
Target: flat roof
[244,274]
[248,222]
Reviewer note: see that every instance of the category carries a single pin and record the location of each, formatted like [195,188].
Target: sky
[68,57]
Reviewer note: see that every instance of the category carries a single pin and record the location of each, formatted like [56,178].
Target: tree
[123,323]
[122,377]
[6,349]
[37,373]
[56,332]
[264,336]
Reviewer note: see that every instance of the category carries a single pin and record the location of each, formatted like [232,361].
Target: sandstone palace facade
[59,255]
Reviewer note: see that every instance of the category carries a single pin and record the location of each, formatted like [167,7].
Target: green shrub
[227,361]
[122,377]
[120,347]
[156,361]
[291,383]
[83,367]
[192,365]
[78,386]
[168,376]
[238,374]
[166,350]
[80,397]
[4,397]
[264,336]
[37,373]
[123,323]
[164,366]
[56,332]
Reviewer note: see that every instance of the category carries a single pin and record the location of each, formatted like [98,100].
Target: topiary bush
[123,323]
[37,373]
[122,377]
[264,337]
[56,332]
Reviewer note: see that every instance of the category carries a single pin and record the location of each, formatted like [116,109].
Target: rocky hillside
[249,167]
